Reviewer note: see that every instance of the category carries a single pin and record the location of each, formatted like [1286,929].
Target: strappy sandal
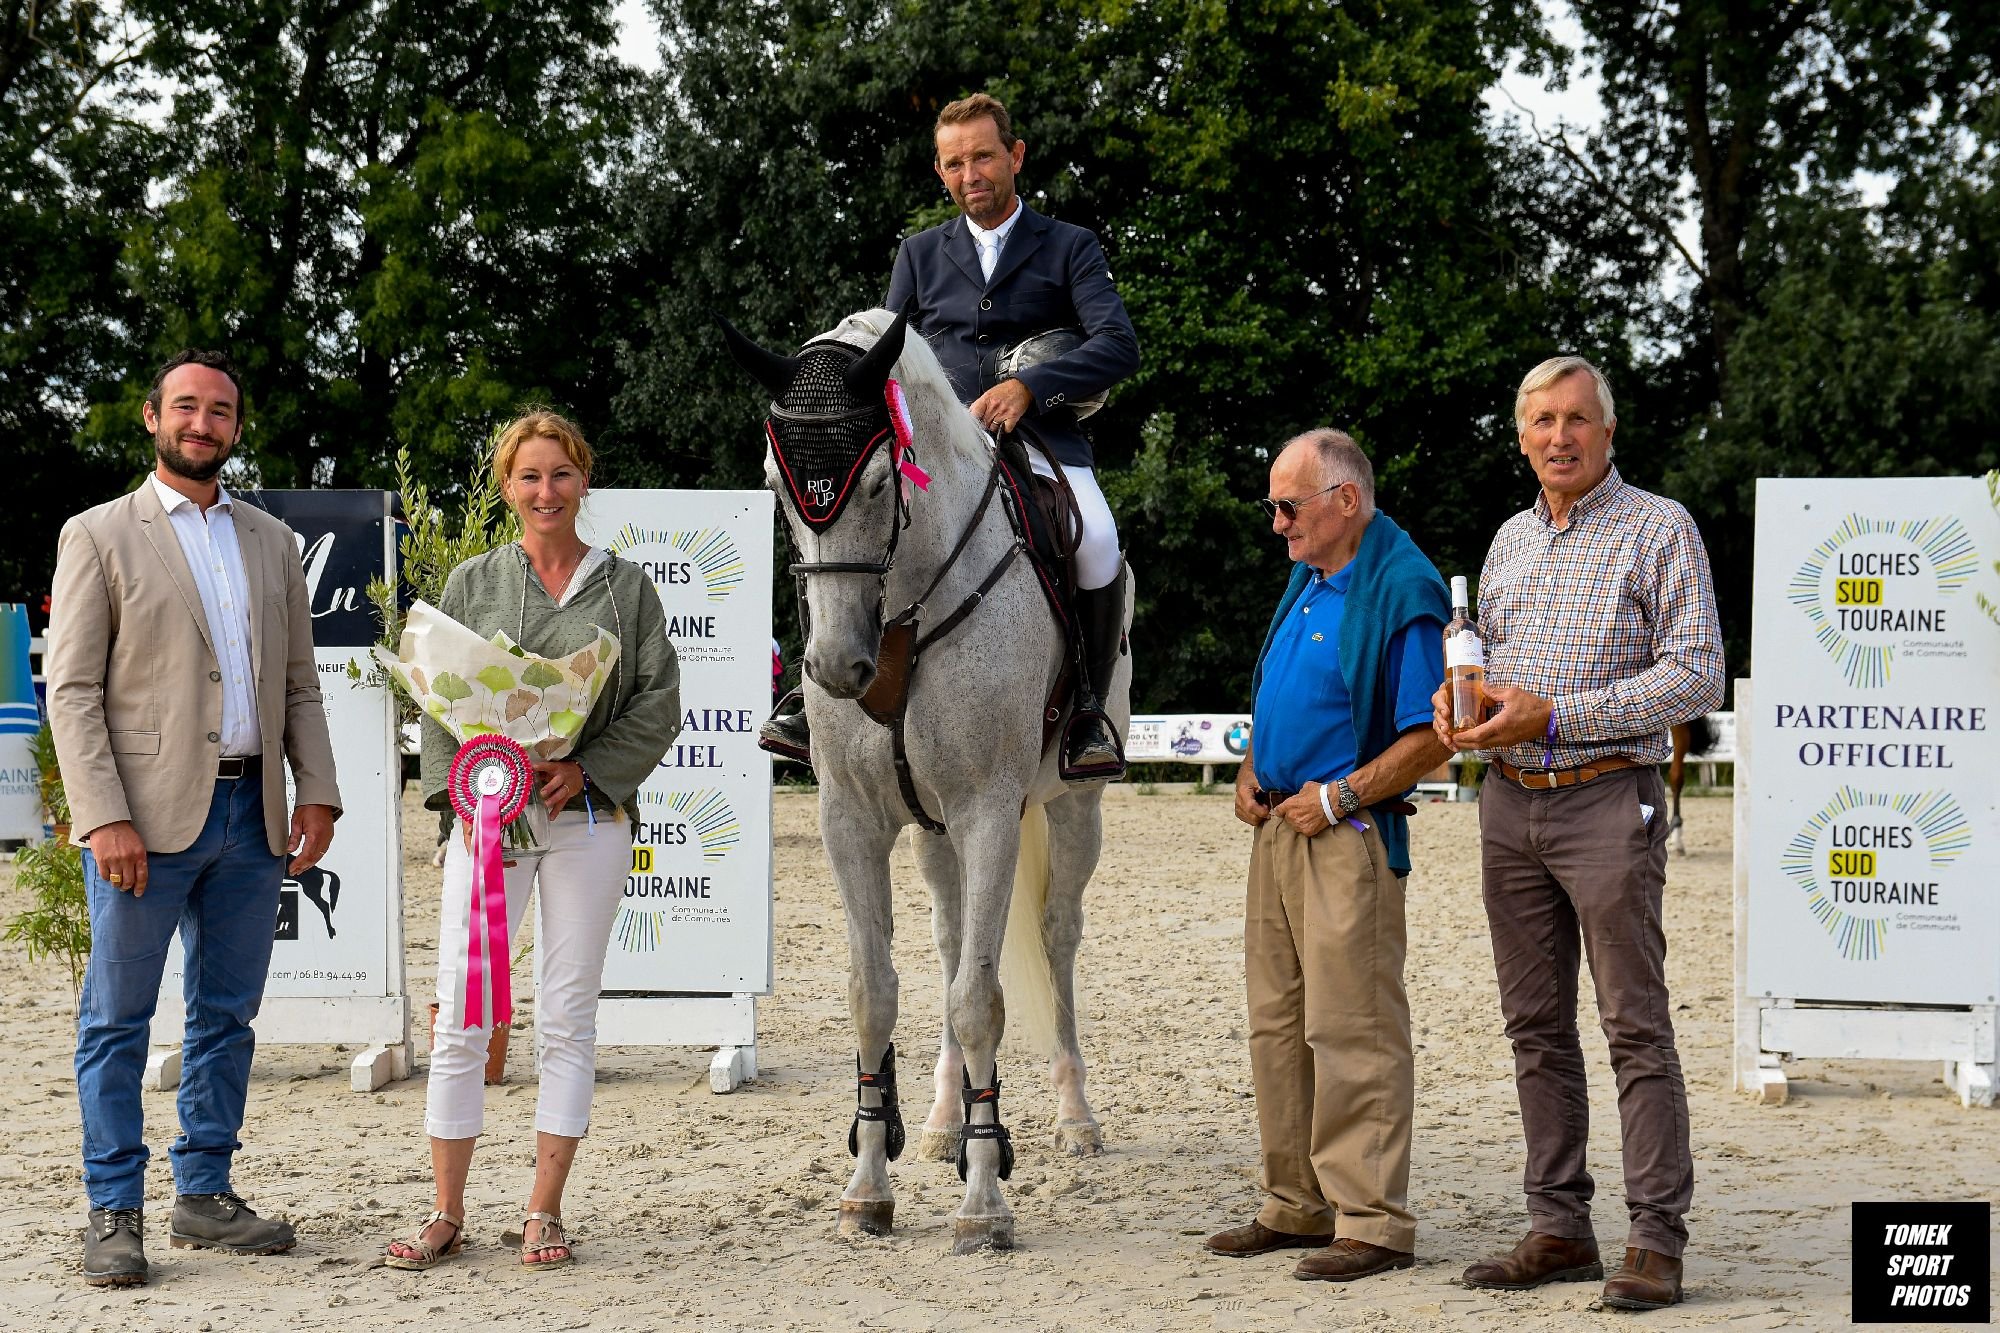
[553,1237]
[428,1255]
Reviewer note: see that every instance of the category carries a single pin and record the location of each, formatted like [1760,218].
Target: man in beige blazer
[181,681]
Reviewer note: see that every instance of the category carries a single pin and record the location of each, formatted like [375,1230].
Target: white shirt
[208,540]
[593,556]
[989,243]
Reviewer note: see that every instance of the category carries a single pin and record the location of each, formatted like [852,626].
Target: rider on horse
[979,286]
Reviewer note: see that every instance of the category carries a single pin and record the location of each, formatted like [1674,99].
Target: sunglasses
[1290,508]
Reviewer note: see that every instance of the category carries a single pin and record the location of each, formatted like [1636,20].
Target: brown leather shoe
[1256,1238]
[1538,1258]
[1648,1281]
[1347,1259]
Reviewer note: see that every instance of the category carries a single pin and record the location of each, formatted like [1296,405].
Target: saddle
[1044,514]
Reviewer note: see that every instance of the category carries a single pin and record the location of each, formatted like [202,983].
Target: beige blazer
[135,688]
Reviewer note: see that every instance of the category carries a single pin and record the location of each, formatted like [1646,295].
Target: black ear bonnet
[823,433]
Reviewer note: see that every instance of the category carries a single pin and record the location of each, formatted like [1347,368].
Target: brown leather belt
[1549,779]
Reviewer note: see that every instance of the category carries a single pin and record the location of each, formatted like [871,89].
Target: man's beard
[168,448]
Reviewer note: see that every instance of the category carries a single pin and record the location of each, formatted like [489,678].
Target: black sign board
[340,535]
[1922,1263]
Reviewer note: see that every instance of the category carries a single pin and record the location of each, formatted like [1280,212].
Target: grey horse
[1004,829]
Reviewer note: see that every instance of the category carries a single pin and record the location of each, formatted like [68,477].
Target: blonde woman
[553,593]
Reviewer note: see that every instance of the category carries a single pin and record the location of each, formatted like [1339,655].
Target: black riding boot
[786,733]
[1092,747]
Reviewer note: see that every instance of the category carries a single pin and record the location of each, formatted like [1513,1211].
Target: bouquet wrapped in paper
[473,686]
[505,707]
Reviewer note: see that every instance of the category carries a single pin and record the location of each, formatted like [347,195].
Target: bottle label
[1464,649]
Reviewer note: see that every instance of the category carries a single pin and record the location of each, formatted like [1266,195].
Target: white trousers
[582,878]
[1097,555]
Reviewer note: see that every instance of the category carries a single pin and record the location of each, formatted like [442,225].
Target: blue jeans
[222,892]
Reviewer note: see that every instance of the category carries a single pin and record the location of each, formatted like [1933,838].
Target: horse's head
[832,462]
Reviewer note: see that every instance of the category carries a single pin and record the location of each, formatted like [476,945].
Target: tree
[1820,336]
[73,169]
[1303,206]
[393,215]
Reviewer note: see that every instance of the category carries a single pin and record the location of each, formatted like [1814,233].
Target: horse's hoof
[970,1235]
[867,1217]
[938,1145]
[1079,1138]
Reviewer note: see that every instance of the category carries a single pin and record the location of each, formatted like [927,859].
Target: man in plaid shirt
[1598,613]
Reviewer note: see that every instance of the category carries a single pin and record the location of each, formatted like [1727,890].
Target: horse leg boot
[939,864]
[786,733]
[860,863]
[1092,748]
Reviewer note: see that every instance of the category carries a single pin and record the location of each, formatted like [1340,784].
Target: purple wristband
[1549,741]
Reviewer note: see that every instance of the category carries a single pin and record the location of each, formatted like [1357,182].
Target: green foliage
[1993,496]
[42,750]
[57,924]
[392,214]
[74,165]
[434,546]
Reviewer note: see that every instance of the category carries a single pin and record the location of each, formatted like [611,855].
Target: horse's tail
[1701,734]
[1024,958]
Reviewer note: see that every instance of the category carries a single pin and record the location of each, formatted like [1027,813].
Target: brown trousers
[1330,1053]
[1582,870]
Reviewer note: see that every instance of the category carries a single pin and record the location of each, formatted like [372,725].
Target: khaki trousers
[1330,1053]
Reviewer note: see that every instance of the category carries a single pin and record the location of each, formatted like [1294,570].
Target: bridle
[904,630]
[802,570]
[799,569]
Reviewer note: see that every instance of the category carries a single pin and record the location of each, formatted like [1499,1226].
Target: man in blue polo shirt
[1340,734]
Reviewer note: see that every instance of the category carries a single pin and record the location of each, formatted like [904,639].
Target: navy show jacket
[1050,275]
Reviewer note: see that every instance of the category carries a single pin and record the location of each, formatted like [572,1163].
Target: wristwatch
[1349,802]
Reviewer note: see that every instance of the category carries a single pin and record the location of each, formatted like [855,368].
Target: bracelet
[1331,817]
[1549,740]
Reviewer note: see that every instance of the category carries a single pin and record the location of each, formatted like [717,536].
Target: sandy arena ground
[698,1211]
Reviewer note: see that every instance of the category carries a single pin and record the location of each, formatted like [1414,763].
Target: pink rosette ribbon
[899,417]
[490,782]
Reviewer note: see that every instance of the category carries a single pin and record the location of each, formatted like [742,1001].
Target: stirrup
[972,1097]
[787,735]
[1071,771]
[889,1112]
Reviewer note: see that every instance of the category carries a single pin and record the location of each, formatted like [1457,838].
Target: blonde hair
[538,423]
[1553,369]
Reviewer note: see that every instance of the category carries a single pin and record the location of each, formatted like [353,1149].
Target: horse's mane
[925,385]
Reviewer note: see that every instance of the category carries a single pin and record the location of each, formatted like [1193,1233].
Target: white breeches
[1097,555]
[582,877]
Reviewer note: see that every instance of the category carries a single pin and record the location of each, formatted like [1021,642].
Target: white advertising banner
[1188,738]
[339,924]
[697,911]
[1875,810]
